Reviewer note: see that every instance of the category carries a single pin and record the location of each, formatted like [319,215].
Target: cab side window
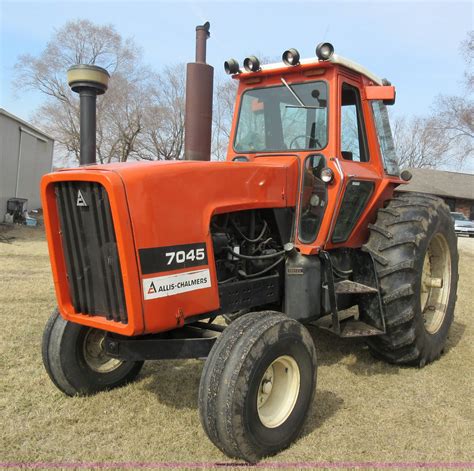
[385,138]
[353,137]
[313,199]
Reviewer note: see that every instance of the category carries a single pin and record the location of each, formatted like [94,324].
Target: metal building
[26,154]
[456,189]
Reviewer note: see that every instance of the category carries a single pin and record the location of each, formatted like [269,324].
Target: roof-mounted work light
[251,64]
[231,67]
[291,57]
[324,51]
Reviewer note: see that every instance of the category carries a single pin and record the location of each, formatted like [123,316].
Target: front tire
[257,385]
[74,359]
[414,247]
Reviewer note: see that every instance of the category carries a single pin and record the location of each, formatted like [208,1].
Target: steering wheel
[303,136]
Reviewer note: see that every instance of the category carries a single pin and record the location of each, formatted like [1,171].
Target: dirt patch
[364,410]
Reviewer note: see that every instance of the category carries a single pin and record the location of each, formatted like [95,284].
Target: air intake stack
[89,81]
[199,85]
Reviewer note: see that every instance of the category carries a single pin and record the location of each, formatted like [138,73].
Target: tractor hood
[158,207]
[184,195]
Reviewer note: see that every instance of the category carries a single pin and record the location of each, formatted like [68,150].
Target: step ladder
[367,290]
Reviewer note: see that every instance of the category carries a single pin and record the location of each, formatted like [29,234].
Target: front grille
[90,250]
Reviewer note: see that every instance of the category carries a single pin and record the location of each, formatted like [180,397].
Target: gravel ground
[366,413]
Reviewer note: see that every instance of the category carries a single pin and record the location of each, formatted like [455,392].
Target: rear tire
[74,359]
[415,251]
[257,385]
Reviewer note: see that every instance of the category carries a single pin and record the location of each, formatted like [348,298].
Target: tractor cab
[330,114]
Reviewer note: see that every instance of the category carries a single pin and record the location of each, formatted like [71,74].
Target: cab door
[356,161]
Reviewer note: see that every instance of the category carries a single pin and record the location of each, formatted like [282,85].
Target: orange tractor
[299,226]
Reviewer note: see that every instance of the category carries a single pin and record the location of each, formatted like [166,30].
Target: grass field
[364,411]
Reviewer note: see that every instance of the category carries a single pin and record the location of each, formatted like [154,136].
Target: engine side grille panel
[90,250]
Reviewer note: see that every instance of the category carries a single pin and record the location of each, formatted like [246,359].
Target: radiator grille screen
[91,255]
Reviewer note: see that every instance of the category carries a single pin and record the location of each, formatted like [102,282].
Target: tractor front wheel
[257,385]
[415,251]
[74,358]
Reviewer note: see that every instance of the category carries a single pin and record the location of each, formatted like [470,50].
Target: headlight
[324,51]
[251,64]
[291,57]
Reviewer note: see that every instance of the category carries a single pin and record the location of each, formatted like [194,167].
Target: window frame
[280,151]
[360,121]
[300,208]
[356,215]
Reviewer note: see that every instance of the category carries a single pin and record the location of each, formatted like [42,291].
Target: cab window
[385,138]
[353,137]
[313,199]
[272,119]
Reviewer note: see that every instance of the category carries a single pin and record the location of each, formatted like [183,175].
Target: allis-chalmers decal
[169,285]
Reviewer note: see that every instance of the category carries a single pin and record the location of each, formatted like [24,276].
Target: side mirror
[386,93]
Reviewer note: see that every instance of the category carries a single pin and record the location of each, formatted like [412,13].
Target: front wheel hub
[95,355]
[278,391]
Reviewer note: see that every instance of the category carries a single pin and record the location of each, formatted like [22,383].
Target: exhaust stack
[89,81]
[198,117]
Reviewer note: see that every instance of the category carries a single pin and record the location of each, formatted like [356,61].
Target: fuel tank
[130,244]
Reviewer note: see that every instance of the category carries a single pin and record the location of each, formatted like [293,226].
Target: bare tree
[417,143]
[467,50]
[120,110]
[163,136]
[453,116]
[446,137]
[222,114]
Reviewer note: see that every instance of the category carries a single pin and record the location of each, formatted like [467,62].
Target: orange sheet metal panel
[377,92]
[172,205]
[164,204]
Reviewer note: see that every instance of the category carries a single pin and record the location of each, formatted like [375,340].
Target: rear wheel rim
[278,391]
[435,283]
[95,355]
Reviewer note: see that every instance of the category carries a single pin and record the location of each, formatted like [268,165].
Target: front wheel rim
[435,283]
[96,358]
[278,391]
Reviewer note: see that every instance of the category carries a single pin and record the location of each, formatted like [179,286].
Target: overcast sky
[413,44]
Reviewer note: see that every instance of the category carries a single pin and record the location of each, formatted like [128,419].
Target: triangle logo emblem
[80,199]
[152,289]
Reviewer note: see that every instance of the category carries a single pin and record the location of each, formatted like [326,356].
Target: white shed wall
[25,156]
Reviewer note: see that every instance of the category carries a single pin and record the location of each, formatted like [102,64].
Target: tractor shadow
[325,405]
[455,334]
[355,356]
[174,382]
[351,353]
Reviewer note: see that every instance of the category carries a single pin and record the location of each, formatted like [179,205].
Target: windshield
[459,217]
[272,119]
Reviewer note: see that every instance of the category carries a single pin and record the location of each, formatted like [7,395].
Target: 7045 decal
[173,257]
[180,256]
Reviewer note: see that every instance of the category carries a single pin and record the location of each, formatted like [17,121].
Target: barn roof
[441,183]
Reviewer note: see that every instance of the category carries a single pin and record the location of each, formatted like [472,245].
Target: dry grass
[364,411]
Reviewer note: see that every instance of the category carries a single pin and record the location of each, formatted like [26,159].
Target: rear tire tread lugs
[412,219]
